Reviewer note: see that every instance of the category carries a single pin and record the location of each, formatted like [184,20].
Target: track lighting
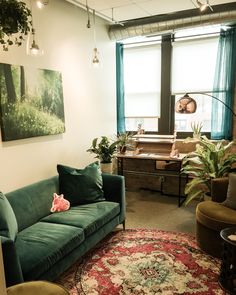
[202,6]
[41,3]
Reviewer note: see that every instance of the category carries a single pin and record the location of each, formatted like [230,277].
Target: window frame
[166,122]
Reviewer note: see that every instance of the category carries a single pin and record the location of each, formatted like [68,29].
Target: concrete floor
[149,209]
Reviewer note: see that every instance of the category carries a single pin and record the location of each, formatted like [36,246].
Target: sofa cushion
[32,202]
[215,216]
[8,223]
[90,217]
[81,186]
[230,201]
[41,245]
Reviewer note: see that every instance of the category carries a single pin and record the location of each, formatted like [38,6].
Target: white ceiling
[131,9]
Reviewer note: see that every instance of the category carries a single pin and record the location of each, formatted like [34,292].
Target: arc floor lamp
[188,105]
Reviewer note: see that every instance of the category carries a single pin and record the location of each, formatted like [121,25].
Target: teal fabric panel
[43,244]
[120,92]
[114,191]
[224,85]
[12,267]
[8,223]
[33,202]
[73,256]
[90,217]
[81,186]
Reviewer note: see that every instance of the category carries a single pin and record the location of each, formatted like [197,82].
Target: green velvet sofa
[45,243]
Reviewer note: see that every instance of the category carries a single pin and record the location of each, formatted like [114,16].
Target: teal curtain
[224,85]
[120,103]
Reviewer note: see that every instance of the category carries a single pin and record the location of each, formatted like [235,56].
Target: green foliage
[196,127]
[52,93]
[24,120]
[125,139]
[208,161]
[103,149]
[15,17]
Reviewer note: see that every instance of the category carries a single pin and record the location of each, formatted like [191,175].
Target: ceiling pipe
[167,23]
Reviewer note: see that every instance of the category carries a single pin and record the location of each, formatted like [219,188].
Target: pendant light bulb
[95,60]
[34,49]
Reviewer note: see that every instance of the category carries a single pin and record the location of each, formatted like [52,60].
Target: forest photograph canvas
[31,102]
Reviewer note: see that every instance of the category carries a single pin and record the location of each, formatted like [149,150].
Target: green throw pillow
[81,186]
[230,201]
[8,223]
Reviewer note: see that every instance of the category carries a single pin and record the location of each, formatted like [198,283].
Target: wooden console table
[153,171]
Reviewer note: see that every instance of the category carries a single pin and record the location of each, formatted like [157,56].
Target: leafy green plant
[15,17]
[209,160]
[124,141]
[196,128]
[103,149]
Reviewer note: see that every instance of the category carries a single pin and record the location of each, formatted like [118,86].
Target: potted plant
[15,18]
[104,150]
[210,160]
[196,128]
[124,141]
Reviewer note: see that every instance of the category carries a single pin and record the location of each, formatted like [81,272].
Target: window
[193,68]
[142,80]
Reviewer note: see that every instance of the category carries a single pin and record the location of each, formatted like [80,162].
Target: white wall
[89,94]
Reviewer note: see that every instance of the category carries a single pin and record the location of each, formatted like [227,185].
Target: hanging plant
[15,18]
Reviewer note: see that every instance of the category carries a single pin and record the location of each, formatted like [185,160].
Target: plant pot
[122,149]
[197,135]
[107,167]
[207,196]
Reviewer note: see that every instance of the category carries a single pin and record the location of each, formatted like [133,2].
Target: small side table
[37,287]
[227,278]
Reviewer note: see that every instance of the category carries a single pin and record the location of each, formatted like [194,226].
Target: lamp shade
[186,105]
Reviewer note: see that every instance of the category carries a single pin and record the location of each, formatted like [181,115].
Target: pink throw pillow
[59,203]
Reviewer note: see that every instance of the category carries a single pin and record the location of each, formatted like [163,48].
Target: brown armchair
[212,217]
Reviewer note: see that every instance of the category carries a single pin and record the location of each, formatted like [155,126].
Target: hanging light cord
[88,23]
[94,29]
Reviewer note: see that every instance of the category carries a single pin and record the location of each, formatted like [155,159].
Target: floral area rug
[144,262]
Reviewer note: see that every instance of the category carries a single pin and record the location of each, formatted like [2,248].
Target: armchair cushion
[215,216]
[230,201]
[8,223]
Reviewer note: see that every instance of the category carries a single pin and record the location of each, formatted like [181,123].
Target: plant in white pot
[104,149]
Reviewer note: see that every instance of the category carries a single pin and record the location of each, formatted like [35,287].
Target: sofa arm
[219,187]
[12,267]
[114,191]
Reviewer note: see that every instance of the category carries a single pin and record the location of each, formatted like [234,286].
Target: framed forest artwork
[31,102]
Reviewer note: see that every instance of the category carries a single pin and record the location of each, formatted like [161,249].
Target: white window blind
[193,70]
[193,65]
[142,77]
